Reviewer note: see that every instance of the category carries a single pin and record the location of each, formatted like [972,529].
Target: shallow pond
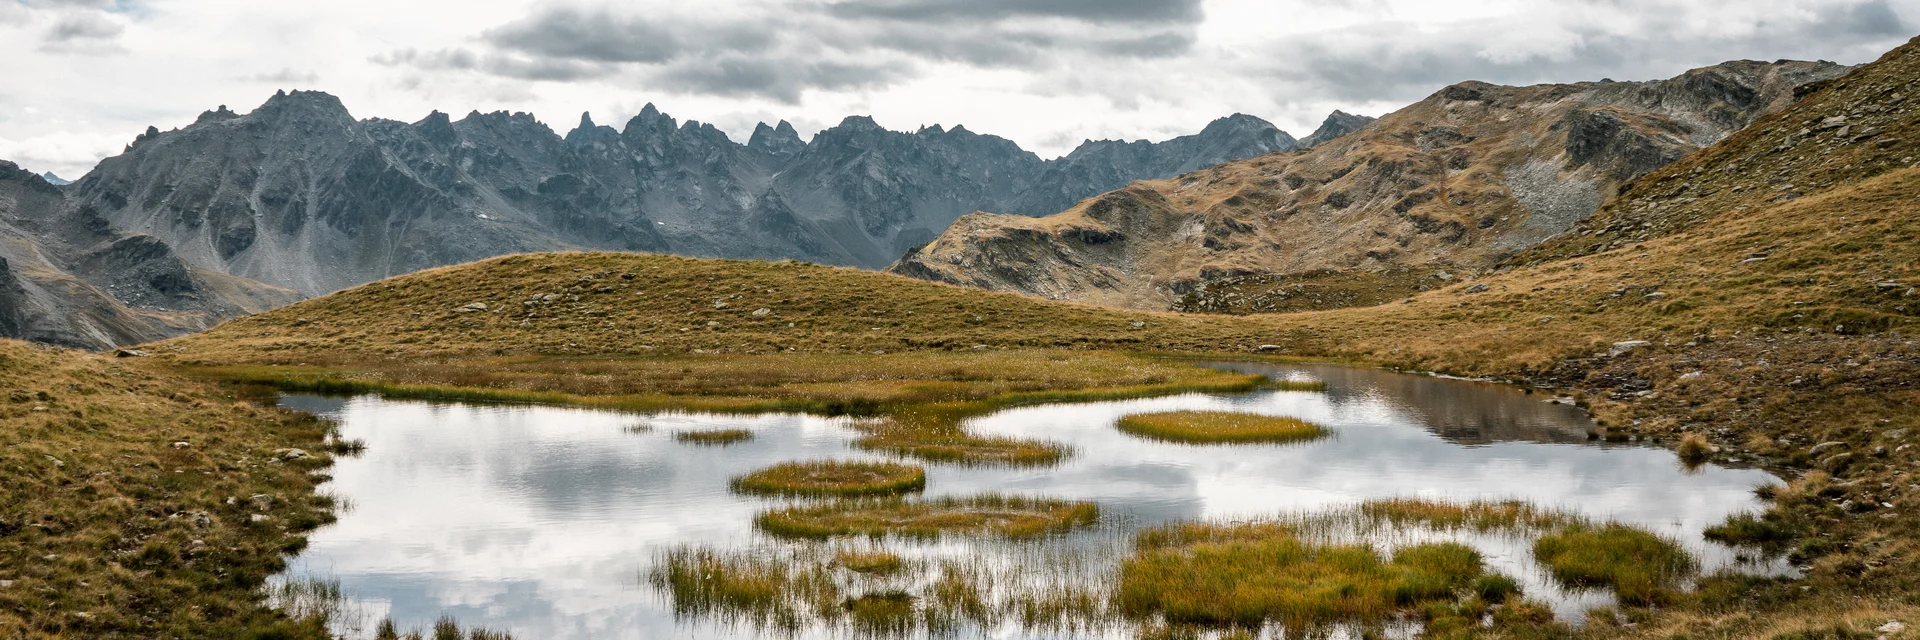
[547,521]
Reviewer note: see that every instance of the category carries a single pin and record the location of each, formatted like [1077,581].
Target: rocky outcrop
[1338,124]
[1471,175]
[300,194]
[67,277]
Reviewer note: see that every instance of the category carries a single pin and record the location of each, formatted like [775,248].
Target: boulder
[1626,347]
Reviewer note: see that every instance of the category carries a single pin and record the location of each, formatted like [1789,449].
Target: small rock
[1625,347]
[130,353]
[1892,627]
[259,517]
[1657,295]
[182,445]
[1824,447]
[713,323]
[982,347]
[201,519]
[56,462]
[1692,375]
[261,501]
[1137,324]
[291,454]
[1478,288]
[762,312]
[6,584]
[1268,348]
[472,307]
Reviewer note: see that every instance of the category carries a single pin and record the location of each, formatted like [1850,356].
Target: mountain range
[300,196]
[1452,184]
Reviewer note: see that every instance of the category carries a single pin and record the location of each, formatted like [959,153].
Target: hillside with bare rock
[1469,176]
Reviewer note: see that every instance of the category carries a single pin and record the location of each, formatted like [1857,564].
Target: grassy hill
[1759,296]
[136,503]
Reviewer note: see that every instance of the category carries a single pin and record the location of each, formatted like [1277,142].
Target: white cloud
[1046,73]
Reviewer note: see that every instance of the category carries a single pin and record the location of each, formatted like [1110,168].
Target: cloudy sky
[79,78]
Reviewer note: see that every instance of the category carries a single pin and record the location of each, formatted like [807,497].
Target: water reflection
[543,521]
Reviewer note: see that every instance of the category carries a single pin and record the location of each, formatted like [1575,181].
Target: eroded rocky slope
[67,277]
[1455,183]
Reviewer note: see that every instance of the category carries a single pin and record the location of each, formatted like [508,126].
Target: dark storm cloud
[780,79]
[781,49]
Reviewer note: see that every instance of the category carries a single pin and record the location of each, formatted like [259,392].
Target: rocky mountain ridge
[299,198]
[300,194]
[1469,176]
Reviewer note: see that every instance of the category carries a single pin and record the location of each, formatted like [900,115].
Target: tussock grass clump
[891,613]
[714,437]
[1694,448]
[766,591]
[1009,516]
[873,563]
[1767,531]
[1642,568]
[1247,575]
[1211,427]
[1477,516]
[833,478]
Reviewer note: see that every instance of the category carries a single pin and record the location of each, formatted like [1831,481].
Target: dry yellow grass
[138,503]
[1220,427]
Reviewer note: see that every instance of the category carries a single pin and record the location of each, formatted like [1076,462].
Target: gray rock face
[1339,123]
[55,180]
[68,278]
[301,195]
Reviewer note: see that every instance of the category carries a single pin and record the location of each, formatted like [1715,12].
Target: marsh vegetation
[992,514]
[1220,427]
[833,478]
[714,437]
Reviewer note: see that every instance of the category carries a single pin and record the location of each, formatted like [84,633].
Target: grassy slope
[1804,347]
[108,529]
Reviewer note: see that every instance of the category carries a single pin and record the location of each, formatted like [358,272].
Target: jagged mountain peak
[1338,123]
[55,180]
[780,140]
[304,102]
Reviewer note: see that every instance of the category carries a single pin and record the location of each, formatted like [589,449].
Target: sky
[80,78]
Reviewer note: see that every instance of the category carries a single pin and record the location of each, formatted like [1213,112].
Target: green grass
[833,478]
[1767,531]
[1252,574]
[875,563]
[1642,568]
[1220,427]
[769,592]
[714,437]
[998,515]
